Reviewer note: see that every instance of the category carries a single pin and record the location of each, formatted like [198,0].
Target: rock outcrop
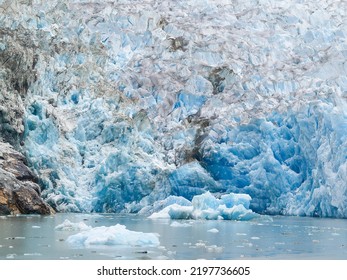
[19,191]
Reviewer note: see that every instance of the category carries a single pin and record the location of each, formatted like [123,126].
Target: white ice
[113,235]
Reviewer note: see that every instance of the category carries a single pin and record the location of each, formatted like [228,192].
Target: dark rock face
[19,192]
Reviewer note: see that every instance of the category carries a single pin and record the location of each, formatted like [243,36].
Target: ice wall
[135,101]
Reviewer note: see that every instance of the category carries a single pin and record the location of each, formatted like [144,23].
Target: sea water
[35,237]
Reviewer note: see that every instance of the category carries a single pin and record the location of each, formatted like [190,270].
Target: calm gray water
[35,237]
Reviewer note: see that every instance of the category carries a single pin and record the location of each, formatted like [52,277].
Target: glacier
[131,103]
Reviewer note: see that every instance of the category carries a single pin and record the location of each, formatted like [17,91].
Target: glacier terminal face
[133,102]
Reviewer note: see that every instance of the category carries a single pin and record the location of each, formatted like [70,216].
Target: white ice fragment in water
[11,256]
[69,226]
[213,230]
[200,244]
[214,249]
[177,224]
[32,254]
[207,207]
[36,227]
[174,210]
[114,235]
[255,237]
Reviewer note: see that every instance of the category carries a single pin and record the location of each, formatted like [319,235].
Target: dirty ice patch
[114,235]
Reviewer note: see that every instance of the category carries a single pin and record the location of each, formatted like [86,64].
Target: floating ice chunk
[237,212]
[163,214]
[200,244]
[213,230]
[233,199]
[180,212]
[32,254]
[161,204]
[214,249]
[177,224]
[208,207]
[205,201]
[114,235]
[174,211]
[69,226]
[11,256]
[208,214]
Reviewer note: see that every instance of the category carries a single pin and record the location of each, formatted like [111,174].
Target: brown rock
[19,192]
[28,202]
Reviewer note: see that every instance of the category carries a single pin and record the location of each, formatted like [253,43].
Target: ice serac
[129,103]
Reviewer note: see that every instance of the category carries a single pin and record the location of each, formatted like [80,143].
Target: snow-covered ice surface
[137,101]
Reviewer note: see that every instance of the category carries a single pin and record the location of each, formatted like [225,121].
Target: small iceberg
[207,207]
[114,235]
[177,224]
[70,226]
[213,230]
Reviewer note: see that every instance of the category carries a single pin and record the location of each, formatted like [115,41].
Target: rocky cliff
[19,189]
